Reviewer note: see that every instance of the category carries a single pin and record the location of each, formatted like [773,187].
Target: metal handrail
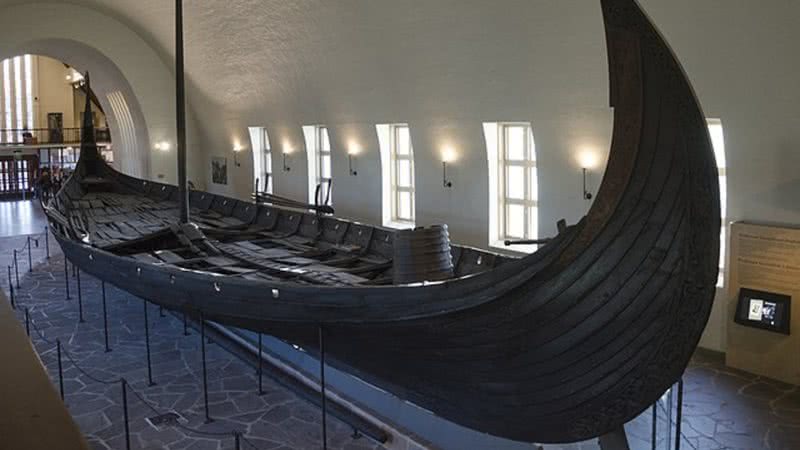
[48,136]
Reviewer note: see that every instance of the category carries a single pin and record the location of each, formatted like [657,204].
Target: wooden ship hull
[566,344]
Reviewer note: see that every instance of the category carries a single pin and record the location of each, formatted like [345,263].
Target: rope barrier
[41,333]
[84,372]
[216,434]
[65,352]
[33,238]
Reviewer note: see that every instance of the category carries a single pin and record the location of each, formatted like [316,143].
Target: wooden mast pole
[180,111]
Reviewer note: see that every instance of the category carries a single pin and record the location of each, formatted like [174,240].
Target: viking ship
[565,344]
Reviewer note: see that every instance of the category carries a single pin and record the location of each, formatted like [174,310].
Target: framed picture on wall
[219,170]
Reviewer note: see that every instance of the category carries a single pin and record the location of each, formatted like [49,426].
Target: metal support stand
[260,367]
[205,373]
[147,345]
[125,413]
[60,369]
[678,415]
[11,289]
[66,276]
[80,297]
[670,395]
[669,420]
[47,242]
[27,322]
[655,426]
[16,268]
[105,315]
[30,257]
[323,396]
[615,440]
[237,441]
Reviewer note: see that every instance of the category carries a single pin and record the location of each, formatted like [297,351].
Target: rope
[137,394]
[87,374]
[34,237]
[40,333]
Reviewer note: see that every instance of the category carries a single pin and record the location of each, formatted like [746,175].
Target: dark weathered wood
[180,115]
[563,345]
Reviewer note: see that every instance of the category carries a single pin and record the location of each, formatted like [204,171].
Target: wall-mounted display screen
[765,310]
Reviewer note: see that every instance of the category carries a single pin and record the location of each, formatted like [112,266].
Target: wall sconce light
[587,160]
[586,194]
[162,145]
[236,149]
[445,182]
[448,155]
[352,151]
[286,152]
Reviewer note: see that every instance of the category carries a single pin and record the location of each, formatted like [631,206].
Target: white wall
[442,67]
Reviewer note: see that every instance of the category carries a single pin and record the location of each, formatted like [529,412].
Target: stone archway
[123,112]
[134,84]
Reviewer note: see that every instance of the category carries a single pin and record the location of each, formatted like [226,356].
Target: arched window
[397,169]
[513,184]
[262,159]
[318,146]
[17,92]
[718,141]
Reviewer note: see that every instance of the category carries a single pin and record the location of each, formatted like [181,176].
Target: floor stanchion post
[147,346]
[237,441]
[16,268]
[205,374]
[654,431]
[11,289]
[47,241]
[323,397]
[27,322]
[80,296]
[66,276]
[125,413]
[678,415]
[105,314]
[30,257]
[60,369]
[260,367]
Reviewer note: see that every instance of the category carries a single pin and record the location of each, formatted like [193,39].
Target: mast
[89,154]
[180,111]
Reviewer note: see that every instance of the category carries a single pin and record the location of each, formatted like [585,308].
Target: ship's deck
[274,244]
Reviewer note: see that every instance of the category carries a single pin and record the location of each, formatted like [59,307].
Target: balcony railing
[49,137]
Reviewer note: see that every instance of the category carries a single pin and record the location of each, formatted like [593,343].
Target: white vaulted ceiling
[242,54]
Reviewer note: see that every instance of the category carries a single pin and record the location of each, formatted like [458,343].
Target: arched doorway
[133,82]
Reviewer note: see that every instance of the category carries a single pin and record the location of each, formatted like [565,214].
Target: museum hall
[399,225]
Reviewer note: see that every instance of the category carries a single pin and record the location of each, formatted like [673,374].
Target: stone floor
[276,420]
[21,218]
